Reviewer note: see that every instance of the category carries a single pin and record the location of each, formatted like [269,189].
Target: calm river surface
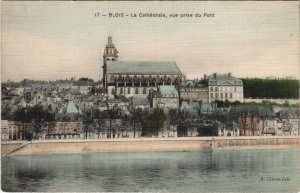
[219,171]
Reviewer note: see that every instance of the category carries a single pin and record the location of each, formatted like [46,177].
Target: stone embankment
[148,144]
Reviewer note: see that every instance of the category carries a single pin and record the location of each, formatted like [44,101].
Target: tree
[38,117]
[86,79]
[21,116]
[100,119]
[88,120]
[136,119]
[153,122]
[5,111]
[211,130]
[112,115]
[173,120]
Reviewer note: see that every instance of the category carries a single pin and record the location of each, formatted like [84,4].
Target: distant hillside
[270,88]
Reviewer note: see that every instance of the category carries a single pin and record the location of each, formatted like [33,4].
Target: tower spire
[110,43]
[110,54]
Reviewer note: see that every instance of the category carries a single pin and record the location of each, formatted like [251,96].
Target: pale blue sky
[52,40]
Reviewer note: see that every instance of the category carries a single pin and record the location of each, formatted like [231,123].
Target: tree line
[149,121]
[270,88]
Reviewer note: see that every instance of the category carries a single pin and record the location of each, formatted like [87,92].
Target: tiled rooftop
[218,79]
[143,67]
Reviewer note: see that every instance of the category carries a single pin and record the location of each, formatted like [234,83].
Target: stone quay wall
[150,145]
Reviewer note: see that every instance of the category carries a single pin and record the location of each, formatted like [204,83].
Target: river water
[218,171]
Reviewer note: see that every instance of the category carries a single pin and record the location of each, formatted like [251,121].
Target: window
[144,91]
[136,91]
[211,95]
[230,95]
[113,91]
[216,95]
[211,88]
[221,95]
[226,95]
[216,88]
[128,90]
[121,90]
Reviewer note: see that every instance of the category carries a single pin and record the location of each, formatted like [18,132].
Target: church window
[144,91]
[128,90]
[136,91]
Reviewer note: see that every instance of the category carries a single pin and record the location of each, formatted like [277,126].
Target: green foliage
[153,121]
[270,88]
[265,103]
[225,104]
[85,79]
[172,116]
[37,116]
[208,131]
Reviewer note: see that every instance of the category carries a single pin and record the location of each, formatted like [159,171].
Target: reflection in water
[160,171]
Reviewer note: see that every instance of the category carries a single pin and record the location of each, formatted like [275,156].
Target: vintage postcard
[156,96]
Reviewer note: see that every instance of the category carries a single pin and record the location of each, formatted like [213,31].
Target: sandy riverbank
[148,145]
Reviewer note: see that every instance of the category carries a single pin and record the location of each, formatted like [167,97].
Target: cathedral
[136,79]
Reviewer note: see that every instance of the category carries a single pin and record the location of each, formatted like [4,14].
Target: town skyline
[259,43]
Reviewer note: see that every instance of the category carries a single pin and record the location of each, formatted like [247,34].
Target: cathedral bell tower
[110,54]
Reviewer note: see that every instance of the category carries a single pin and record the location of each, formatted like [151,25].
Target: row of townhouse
[284,122]
[255,121]
[241,120]
[109,128]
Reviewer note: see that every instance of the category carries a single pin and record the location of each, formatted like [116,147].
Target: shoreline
[38,147]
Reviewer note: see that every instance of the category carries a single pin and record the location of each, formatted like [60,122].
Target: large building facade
[225,87]
[136,78]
